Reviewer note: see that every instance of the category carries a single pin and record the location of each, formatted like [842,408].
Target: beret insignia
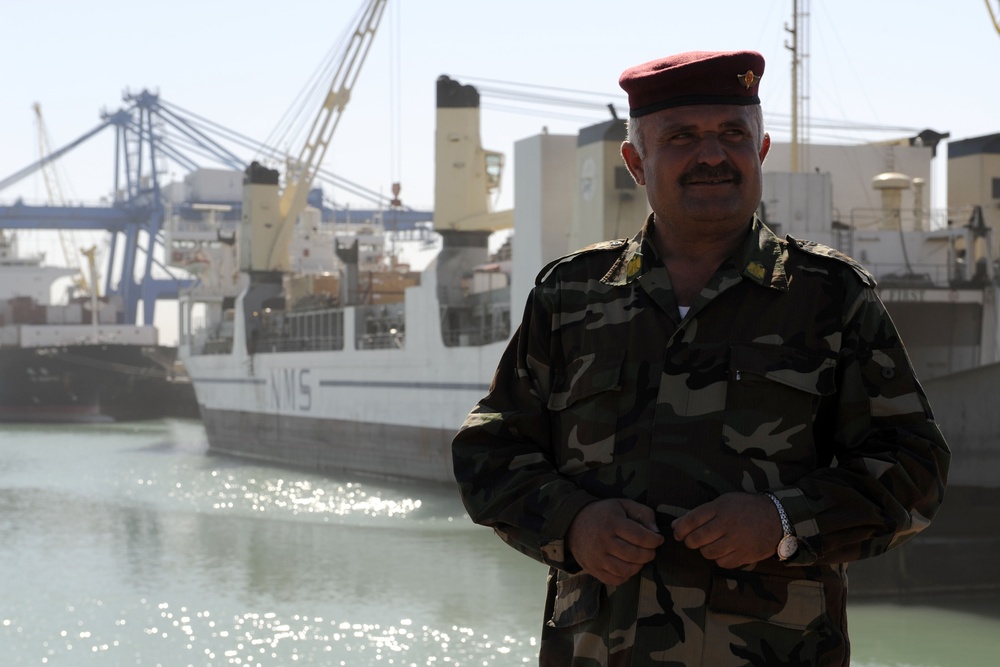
[748,79]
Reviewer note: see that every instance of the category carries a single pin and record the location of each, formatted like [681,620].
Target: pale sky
[903,63]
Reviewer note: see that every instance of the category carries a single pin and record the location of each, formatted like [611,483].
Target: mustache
[704,172]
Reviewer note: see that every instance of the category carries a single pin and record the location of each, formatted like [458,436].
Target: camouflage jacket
[786,375]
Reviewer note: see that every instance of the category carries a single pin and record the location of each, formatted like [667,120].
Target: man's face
[702,164]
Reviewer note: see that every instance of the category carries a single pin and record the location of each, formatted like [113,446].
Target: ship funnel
[466,175]
[891,185]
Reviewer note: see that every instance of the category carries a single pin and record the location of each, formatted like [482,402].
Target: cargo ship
[360,364]
[72,362]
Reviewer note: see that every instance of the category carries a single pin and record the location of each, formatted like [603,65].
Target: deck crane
[53,187]
[269,218]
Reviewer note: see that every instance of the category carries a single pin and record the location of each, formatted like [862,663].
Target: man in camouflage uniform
[698,428]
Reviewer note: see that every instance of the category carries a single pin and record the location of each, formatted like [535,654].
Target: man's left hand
[734,530]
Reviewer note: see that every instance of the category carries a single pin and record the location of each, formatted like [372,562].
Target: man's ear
[765,146]
[633,162]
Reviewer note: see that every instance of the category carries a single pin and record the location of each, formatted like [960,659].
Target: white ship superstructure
[355,362]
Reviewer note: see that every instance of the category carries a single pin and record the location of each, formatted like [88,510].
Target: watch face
[787,547]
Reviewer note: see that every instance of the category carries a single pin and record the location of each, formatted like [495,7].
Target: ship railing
[204,339]
[214,346]
[936,276]
[272,343]
[380,327]
[476,336]
[304,331]
[277,343]
[391,340]
[910,219]
[482,318]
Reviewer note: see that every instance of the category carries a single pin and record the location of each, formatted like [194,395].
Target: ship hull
[92,383]
[384,450]
[391,413]
[956,554]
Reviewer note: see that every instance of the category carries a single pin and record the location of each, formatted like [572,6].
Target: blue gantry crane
[134,219]
[149,132]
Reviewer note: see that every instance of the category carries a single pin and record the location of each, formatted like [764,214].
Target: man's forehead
[702,115]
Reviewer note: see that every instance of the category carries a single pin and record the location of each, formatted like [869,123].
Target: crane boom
[300,180]
[269,218]
[53,187]
[49,175]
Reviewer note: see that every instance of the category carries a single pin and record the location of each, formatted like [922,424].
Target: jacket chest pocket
[584,407]
[772,399]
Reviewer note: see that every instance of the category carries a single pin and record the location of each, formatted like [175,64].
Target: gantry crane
[134,220]
[142,146]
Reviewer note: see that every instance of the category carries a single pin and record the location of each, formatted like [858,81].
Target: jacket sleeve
[891,461]
[503,455]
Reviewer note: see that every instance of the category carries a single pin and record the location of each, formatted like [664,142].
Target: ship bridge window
[494,169]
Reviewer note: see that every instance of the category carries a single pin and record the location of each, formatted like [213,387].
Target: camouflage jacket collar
[761,259]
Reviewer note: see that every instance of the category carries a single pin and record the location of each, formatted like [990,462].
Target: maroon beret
[696,77]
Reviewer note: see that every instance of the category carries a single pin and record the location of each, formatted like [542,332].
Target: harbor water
[130,544]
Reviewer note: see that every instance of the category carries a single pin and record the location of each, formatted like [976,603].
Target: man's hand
[612,539]
[734,530]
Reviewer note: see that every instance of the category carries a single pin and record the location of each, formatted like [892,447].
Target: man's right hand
[612,539]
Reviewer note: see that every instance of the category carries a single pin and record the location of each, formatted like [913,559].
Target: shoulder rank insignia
[756,269]
[634,266]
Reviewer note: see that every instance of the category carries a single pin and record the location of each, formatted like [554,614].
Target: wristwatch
[788,545]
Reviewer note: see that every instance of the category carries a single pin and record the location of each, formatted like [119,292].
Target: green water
[130,545]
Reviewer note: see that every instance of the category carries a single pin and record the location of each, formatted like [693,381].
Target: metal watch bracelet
[788,545]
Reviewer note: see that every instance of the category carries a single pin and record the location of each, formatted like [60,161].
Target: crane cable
[994,16]
[534,99]
[53,185]
[395,102]
[294,125]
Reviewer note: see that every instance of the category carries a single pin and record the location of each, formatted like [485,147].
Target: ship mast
[799,47]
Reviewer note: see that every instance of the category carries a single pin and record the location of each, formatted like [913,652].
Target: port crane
[269,217]
[134,219]
[53,186]
[151,132]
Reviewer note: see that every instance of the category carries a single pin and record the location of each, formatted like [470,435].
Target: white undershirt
[684,310]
